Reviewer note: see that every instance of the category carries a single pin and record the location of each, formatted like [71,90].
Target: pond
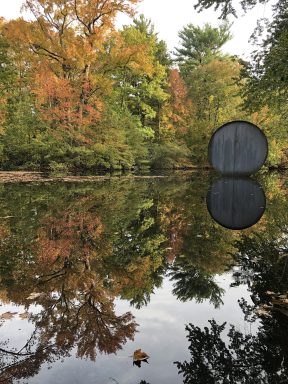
[90,273]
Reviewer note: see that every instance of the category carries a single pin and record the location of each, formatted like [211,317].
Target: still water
[92,272]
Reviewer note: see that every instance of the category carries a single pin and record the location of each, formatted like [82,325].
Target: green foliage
[144,92]
[126,107]
[191,283]
[200,45]
[77,248]
[227,7]
[170,155]
[215,93]
[243,358]
[267,75]
[7,71]
[58,169]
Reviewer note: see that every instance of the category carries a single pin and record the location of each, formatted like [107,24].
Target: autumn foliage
[78,94]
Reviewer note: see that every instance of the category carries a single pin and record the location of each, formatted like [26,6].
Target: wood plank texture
[238,148]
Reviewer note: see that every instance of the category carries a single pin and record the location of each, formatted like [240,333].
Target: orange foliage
[65,50]
[72,235]
[180,106]
[60,103]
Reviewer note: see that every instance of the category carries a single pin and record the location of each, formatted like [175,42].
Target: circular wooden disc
[236,203]
[238,148]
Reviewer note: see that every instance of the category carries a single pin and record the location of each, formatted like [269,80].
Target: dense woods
[78,95]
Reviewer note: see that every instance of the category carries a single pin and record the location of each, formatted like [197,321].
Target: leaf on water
[280,302]
[24,315]
[270,293]
[34,295]
[139,355]
[263,311]
[8,315]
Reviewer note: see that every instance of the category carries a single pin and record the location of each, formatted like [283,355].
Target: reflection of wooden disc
[238,148]
[236,203]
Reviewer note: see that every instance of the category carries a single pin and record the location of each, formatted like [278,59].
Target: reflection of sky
[161,335]
[18,330]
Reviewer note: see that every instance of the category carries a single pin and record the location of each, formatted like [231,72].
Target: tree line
[78,95]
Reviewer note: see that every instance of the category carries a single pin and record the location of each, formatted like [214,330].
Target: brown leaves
[8,315]
[24,315]
[139,355]
[278,302]
[66,105]
[264,311]
[34,296]
[64,51]
[72,233]
[179,108]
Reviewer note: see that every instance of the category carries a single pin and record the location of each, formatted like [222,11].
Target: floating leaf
[34,295]
[263,311]
[270,293]
[8,315]
[24,315]
[138,355]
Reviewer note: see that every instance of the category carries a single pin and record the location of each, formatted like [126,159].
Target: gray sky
[169,17]
[161,334]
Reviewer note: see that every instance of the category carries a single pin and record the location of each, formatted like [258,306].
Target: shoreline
[41,177]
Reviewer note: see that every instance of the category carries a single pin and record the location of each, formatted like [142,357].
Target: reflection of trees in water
[261,357]
[262,261]
[263,265]
[82,318]
[77,308]
[244,358]
[136,264]
[191,283]
[82,247]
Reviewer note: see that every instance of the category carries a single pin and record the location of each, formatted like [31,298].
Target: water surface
[91,272]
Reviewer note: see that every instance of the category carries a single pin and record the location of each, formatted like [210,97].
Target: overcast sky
[169,16]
